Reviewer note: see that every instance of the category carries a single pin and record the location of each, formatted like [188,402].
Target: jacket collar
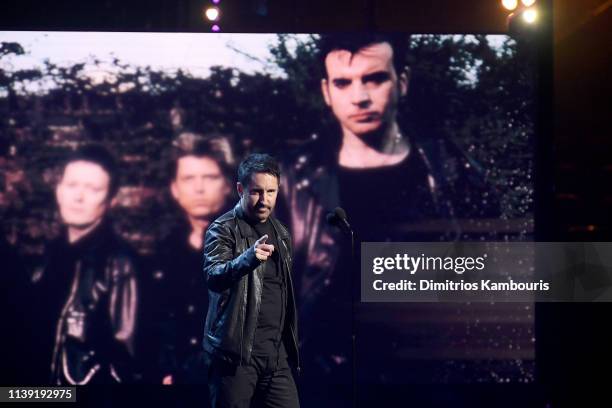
[243,226]
[96,238]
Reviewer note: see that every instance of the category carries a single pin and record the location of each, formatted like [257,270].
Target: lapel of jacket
[249,235]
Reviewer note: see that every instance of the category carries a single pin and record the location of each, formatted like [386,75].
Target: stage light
[510,4]
[215,28]
[528,3]
[212,13]
[530,16]
[216,1]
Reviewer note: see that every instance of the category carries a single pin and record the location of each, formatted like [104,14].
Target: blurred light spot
[212,13]
[510,4]
[530,16]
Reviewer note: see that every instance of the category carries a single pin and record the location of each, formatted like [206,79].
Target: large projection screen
[470,98]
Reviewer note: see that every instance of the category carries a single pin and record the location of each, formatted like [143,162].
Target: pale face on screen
[199,186]
[363,88]
[82,194]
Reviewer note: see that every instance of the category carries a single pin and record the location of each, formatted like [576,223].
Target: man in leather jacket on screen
[175,296]
[251,326]
[86,290]
[392,186]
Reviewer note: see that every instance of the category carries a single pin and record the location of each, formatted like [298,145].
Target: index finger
[262,239]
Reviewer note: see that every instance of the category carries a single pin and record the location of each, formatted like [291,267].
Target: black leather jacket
[175,299]
[235,283]
[88,296]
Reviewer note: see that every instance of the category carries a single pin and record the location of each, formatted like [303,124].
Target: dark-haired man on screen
[176,293]
[392,186]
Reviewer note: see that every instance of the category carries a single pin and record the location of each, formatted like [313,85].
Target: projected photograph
[395,137]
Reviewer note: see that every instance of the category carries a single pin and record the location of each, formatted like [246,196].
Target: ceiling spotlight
[530,16]
[528,3]
[510,4]
[212,13]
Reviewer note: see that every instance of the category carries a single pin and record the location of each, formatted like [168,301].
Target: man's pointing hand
[263,250]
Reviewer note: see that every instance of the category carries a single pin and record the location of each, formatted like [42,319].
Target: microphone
[338,218]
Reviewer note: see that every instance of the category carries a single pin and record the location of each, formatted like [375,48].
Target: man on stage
[251,326]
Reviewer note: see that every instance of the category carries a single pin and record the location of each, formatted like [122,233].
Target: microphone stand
[353,335]
[348,228]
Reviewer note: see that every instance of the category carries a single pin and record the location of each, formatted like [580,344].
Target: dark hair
[257,163]
[354,42]
[193,144]
[98,154]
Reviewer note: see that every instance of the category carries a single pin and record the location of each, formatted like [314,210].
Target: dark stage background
[572,167]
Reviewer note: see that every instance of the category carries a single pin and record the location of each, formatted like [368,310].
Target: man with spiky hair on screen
[176,293]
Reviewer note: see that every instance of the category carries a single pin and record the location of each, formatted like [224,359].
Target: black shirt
[271,318]
[380,202]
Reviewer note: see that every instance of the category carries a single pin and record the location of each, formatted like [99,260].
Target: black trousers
[265,382]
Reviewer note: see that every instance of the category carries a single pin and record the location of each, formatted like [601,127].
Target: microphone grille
[339,211]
